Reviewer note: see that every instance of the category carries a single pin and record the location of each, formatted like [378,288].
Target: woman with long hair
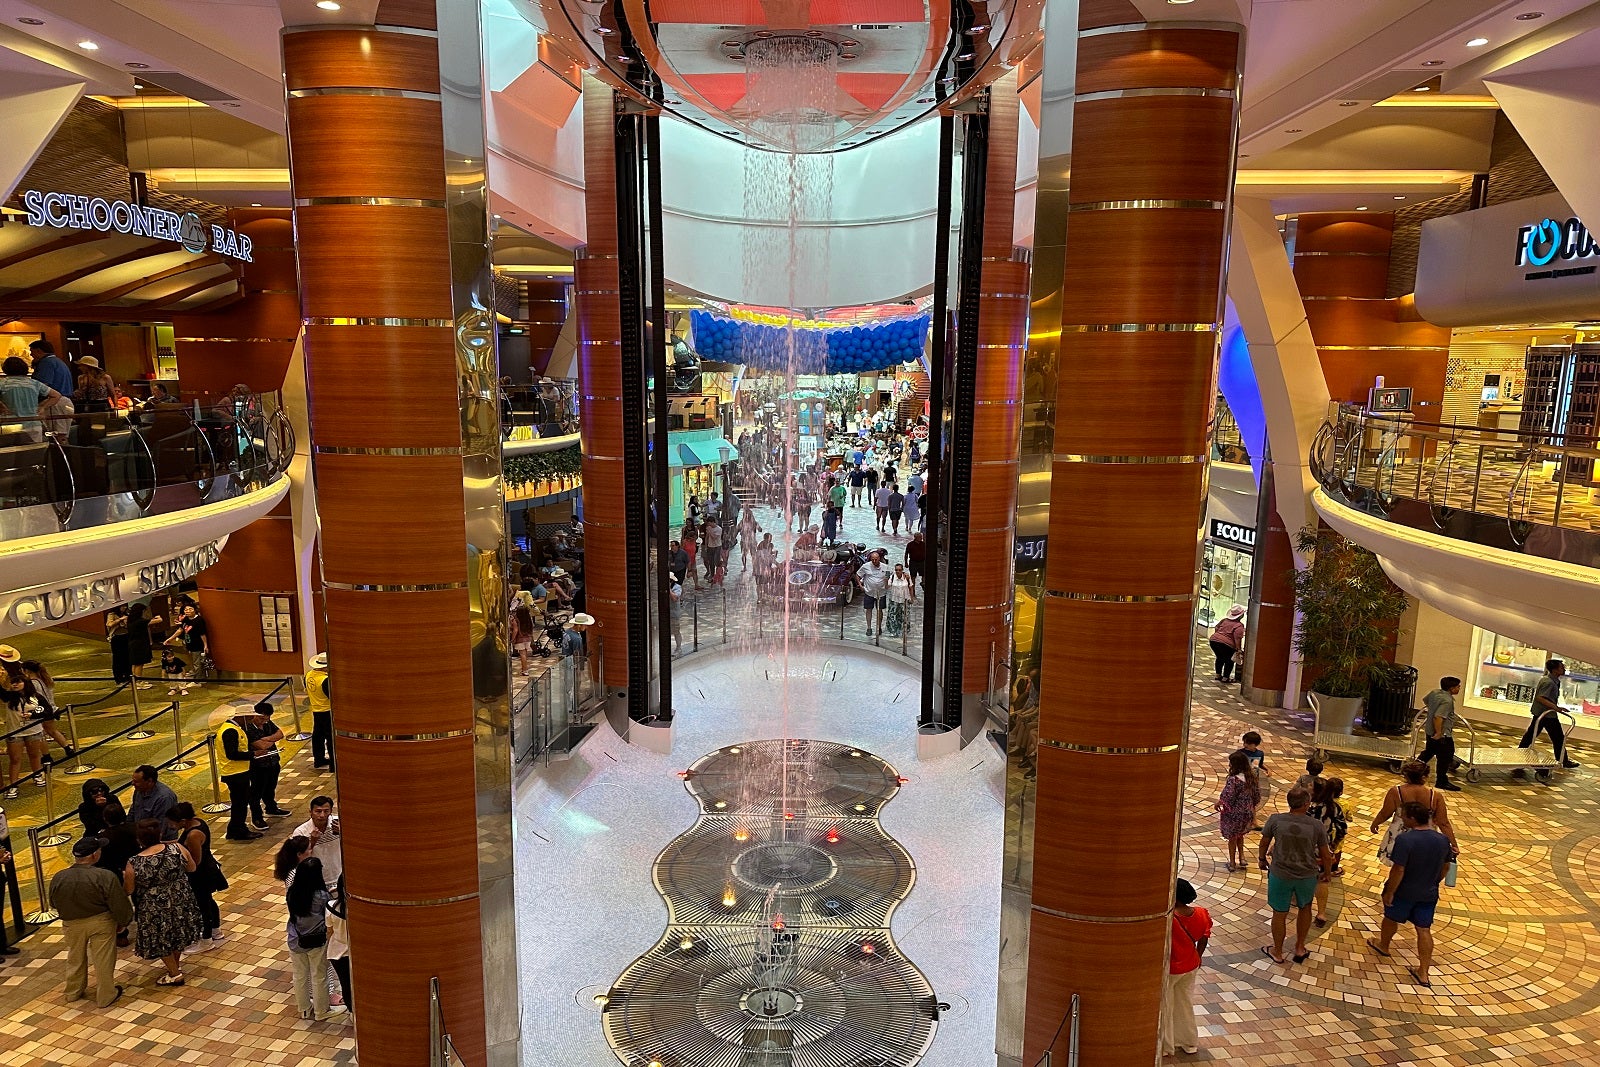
[140,649]
[307,900]
[44,687]
[1241,795]
[22,724]
[287,861]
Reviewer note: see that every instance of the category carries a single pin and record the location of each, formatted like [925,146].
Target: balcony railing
[1521,492]
[73,472]
[546,408]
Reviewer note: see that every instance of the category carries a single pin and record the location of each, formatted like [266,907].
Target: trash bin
[1390,700]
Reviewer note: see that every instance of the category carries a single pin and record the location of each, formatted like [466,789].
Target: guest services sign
[1524,261]
[49,605]
[70,211]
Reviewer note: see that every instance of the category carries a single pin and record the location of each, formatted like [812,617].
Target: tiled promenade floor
[1517,969]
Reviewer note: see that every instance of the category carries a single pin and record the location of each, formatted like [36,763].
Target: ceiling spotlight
[1350,103]
[137,66]
[1477,42]
[813,33]
[980,28]
[1423,89]
[138,85]
[1180,1]
[255,205]
[964,56]
[1399,198]
[88,46]
[604,31]
[849,44]
[1433,62]
[1529,16]
[1363,207]
[847,55]
[31,22]
[328,5]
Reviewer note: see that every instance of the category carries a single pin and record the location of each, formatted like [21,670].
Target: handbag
[311,939]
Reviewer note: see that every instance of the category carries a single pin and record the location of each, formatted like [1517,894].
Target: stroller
[548,643]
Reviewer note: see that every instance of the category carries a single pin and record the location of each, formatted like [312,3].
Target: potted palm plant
[1349,613]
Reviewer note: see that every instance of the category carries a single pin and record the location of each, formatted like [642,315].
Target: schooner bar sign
[71,211]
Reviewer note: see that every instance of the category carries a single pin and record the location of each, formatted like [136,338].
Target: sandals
[1306,955]
[1267,952]
[1374,946]
[170,979]
[1418,978]
[1320,921]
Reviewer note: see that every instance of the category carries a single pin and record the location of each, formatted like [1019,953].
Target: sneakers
[334,1010]
[278,813]
[38,779]
[218,937]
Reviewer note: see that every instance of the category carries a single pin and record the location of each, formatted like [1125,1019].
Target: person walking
[916,556]
[912,508]
[319,694]
[873,578]
[169,919]
[678,562]
[858,479]
[233,765]
[1241,796]
[265,765]
[1412,790]
[748,529]
[522,631]
[1296,856]
[691,546]
[1544,713]
[1411,892]
[1326,809]
[712,552]
[25,735]
[897,504]
[880,501]
[1191,932]
[307,930]
[93,906]
[1227,639]
[39,684]
[207,879]
[1440,731]
[902,594]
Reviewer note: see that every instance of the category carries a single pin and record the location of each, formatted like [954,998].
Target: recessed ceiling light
[847,55]
[604,31]
[138,85]
[1529,16]
[31,22]
[137,66]
[328,5]
[1477,42]
[1180,1]
[1350,103]
[849,44]
[973,31]
[1433,62]
[88,46]
[1363,207]
[1423,89]
[1399,198]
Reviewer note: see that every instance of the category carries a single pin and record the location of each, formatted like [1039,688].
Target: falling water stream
[778,951]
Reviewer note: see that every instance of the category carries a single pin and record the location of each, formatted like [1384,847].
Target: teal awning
[706,453]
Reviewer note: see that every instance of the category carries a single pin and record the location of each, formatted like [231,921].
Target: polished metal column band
[363,90]
[1299,253]
[441,736]
[1101,918]
[1270,604]
[1149,205]
[1142,327]
[434,587]
[361,450]
[377,320]
[1131,461]
[609,459]
[236,340]
[1109,750]
[412,903]
[366,201]
[1116,598]
[990,607]
[1129,94]
[1140,27]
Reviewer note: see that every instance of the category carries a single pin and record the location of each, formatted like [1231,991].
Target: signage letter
[33,200]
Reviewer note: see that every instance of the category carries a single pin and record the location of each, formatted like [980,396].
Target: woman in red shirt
[1191,930]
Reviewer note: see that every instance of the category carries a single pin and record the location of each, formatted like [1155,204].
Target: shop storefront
[1504,671]
[695,461]
[1230,542]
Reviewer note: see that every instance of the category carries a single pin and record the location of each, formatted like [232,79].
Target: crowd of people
[43,391]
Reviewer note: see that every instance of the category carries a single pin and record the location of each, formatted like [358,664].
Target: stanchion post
[57,838]
[72,732]
[696,622]
[44,915]
[294,707]
[216,804]
[178,762]
[133,693]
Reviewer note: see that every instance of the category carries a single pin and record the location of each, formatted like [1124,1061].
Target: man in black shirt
[234,763]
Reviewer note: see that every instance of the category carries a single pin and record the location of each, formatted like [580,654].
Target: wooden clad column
[997,407]
[598,294]
[367,158]
[1152,172]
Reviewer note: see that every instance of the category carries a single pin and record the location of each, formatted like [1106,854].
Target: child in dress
[1240,797]
[1325,806]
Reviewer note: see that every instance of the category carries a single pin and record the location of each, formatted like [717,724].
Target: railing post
[58,838]
[1477,481]
[294,707]
[72,732]
[1072,1034]
[695,621]
[133,691]
[1561,487]
[44,915]
[216,806]
[178,762]
[435,1025]
[724,614]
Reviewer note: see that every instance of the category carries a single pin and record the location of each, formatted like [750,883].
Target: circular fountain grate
[784,867]
[801,777]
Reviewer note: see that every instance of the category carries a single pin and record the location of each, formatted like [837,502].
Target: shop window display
[1226,582]
[1505,672]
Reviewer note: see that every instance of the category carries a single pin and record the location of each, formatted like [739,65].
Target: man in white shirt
[880,500]
[322,829]
[873,577]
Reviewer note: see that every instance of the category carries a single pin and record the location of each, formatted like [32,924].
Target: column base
[655,736]
[1264,698]
[936,741]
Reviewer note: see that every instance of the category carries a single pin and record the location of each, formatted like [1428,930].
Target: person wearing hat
[93,905]
[233,766]
[572,638]
[319,696]
[95,386]
[1227,641]
[1191,931]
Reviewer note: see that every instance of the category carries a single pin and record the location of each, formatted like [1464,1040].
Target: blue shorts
[1280,891]
[1418,913]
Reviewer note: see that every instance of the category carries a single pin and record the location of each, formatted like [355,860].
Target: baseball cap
[85,846]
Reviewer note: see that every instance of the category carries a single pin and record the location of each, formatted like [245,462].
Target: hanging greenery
[539,467]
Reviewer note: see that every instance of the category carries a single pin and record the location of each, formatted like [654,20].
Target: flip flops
[1267,952]
[1374,946]
[1417,978]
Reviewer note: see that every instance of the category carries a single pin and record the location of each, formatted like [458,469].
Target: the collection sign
[1547,243]
[71,211]
[1233,535]
[47,606]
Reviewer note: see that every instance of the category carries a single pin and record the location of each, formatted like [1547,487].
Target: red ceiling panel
[856,12]
[873,90]
[721,91]
[709,12]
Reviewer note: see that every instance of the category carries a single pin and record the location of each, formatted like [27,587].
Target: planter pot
[1335,715]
